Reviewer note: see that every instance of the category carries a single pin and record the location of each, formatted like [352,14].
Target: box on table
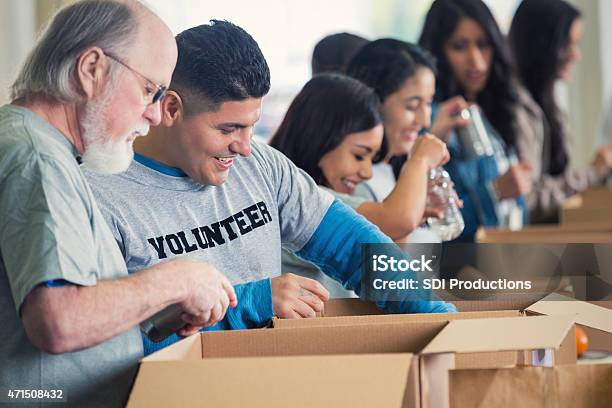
[389,364]
[579,232]
[594,317]
[594,205]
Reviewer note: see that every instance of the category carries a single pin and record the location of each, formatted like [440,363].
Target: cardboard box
[594,317]
[579,232]
[593,205]
[339,380]
[209,369]
[597,197]
[566,386]
[578,214]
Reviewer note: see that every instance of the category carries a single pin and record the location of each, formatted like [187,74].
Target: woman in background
[544,38]
[333,131]
[333,52]
[474,66]
[403,77]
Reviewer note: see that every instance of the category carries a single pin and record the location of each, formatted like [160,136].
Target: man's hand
[209,294]
[515,182]
[294,296]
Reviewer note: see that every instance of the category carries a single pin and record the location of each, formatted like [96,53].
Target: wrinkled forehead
[153,52]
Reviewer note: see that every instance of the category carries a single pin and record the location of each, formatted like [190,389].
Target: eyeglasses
[158,91]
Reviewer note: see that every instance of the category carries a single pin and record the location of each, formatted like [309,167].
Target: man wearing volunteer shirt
[68,308]
[200,187]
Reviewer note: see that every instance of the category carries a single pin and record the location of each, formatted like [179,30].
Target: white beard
[103,154]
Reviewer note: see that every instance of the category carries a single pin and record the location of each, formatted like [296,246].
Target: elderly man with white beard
[68,308]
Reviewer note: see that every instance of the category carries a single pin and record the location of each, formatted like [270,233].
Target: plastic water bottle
[441,194]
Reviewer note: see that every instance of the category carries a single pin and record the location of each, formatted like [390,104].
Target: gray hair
[50,69]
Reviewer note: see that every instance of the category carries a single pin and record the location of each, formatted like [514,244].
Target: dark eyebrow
[368,148]
[230,124]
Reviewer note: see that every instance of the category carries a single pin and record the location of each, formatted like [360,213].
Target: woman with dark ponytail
[544,39]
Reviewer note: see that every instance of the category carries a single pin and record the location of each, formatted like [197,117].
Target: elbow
[46,328]
[48,335]
[399,230]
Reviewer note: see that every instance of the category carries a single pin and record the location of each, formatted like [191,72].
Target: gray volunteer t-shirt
[294,264]
[156,213]
[51,229]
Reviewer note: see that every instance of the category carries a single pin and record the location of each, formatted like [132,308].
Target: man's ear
[92,71]
[172,109]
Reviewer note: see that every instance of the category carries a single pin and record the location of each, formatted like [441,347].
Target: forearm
[254,307]
[71,317]
[404,207]
[335,248]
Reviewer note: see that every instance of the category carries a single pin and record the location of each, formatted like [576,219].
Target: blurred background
[287,31]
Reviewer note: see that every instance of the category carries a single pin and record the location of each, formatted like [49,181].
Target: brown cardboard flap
[385,319]
[434,370]
[501,334]
[350,307]
[586,314]
[566,386]
[355,381]
[383,338]
[190,348]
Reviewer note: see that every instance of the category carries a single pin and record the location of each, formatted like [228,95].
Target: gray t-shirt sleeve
[301,203]
[43,227]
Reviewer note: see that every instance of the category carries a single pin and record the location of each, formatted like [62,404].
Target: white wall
[17,33]
[585,92]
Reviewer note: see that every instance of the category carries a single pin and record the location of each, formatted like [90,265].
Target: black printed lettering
[253,216]
[213,234]
[174,244]
[188,247]
[198,237]
[264,211]
[158,244]
[241,223]
[230,232]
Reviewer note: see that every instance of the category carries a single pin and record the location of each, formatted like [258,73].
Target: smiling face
[571,54]
[408,110]
[350,162]
[469,53]
[206,145]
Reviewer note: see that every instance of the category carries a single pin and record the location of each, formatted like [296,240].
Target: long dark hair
[332,53]
[385,65]
[327,109]
[538,37]
[499,98]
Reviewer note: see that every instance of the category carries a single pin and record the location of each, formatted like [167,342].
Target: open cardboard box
[391,364]
[594,317]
